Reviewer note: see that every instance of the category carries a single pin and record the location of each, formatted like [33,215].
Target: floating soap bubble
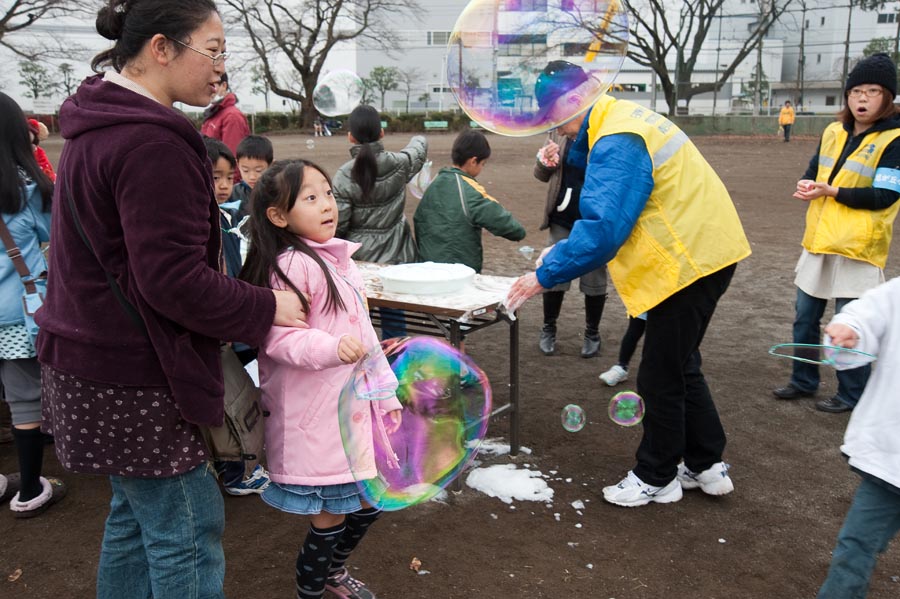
[527,251]
[508,68]
[446,401]
[310,144]
[418,184]
[573,418]
[626,408]
[338,92]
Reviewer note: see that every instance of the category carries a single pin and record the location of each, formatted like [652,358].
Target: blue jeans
[872,521]
[392,323]
[807,329]
[163,538]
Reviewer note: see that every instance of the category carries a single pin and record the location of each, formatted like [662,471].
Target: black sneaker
[789,391]
[832,405]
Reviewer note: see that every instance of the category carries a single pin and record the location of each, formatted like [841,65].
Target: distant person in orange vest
[786,120]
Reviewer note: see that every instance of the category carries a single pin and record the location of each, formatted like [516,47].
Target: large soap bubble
[507,67]
[446,402]
[338,92]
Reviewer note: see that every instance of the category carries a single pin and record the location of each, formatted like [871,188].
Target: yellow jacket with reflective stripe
[832,227]
[689,227]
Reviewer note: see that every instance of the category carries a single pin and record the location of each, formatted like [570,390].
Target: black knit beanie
[878,68]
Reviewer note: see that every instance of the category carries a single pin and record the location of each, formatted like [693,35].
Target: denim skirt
[306,499]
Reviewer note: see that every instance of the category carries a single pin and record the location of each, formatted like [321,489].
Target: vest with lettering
[832,227]
[689,227]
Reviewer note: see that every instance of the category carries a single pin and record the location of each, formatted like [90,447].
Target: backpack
[241,436]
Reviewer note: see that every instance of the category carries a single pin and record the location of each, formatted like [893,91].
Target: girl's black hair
[279,186]
[131,23]
[16,153]
[365,127]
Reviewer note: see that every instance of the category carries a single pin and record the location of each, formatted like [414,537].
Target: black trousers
[680,418]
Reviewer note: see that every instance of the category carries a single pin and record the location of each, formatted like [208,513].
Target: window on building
[830,100]
[887,18]
[807,24]
[522,45]
[525,5]
[438,38]
[822,22]
[818,59]
[440,90]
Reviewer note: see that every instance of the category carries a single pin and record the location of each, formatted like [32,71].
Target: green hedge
[273,122]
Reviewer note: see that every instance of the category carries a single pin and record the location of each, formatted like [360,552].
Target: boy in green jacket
[455,208]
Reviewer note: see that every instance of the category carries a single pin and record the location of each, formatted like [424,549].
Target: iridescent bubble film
[337,92]
[519,73]
[418,184]
[446,401]
[310,144]
[573,418]
[626,408]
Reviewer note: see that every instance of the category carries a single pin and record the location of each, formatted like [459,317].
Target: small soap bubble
[338,92]
[527,251]
[626,408]
[573,418]
[310,144]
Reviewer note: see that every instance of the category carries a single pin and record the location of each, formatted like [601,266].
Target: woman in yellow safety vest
[852,186]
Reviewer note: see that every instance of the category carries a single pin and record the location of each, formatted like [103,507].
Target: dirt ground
[771,538]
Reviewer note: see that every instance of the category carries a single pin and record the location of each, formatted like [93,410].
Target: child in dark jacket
[254,155]
[223,163]
[455,208]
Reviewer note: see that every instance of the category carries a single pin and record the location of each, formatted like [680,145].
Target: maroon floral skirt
[101,428]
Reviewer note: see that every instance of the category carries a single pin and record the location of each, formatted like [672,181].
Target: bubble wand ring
[822,354]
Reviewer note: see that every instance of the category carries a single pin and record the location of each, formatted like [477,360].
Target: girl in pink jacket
[302,372]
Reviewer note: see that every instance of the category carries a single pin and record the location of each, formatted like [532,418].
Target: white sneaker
[614,376]
[633,492]
[712,481]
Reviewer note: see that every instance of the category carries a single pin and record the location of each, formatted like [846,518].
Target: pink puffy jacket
[301,375]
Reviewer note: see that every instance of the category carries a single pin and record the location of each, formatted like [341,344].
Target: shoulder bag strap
[113,285]
[15,254]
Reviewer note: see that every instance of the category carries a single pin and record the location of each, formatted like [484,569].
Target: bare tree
[384,79]
[408,78]
[18,15]
[301,34]
[655,36]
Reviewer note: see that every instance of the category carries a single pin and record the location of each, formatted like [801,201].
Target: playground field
[771,538]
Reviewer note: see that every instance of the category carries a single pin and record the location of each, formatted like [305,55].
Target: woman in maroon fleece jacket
[124,399]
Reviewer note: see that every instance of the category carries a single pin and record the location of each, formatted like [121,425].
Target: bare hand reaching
[350,350]
[842,335]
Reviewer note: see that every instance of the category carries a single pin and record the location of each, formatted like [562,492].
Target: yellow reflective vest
[832,227]
[689,227]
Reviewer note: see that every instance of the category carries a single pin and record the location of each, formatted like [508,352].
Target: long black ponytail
[279,186]
[365,127]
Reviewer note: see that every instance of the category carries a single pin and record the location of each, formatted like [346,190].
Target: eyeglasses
[216,60]
[871,92]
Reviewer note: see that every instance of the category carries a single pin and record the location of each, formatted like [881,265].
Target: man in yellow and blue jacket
[657,214]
